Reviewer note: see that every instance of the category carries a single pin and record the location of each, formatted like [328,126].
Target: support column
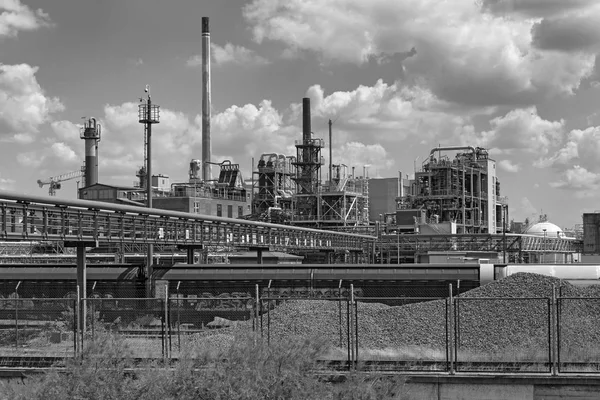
[259,252]
[82,283]
[190,255]
[190,250]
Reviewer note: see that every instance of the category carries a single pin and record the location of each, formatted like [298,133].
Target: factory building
[456,195]
[383,193]
[227,197]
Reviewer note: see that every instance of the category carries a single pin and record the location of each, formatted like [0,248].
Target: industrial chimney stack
[90,133]
[206,174]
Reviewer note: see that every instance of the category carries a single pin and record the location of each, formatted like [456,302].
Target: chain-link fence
[578,335]
[399,333]
[390,335]
[510,334]
[38,327]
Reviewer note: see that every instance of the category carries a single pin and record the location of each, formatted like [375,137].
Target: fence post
[76,315]
[450,328]
[17,315]
[340,311]
[553,341]
[178,319]
[256,310]
[355,327]
[167,325]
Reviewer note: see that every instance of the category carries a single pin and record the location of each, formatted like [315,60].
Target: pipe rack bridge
[510,243]
[83,222]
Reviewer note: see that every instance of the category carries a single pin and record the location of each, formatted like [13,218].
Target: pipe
[206,97]
[432,152]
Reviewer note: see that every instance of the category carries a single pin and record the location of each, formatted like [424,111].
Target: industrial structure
[291,189]
[273,186]
[91,133]
[455,192]
[459,195]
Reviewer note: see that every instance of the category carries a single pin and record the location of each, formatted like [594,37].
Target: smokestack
[91,135]
[306,120]
[206,173]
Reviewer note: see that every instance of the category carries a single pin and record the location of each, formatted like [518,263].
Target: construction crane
[54,182]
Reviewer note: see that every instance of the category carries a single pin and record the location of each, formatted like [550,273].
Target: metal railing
[37,218]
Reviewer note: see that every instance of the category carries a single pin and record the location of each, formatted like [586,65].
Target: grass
[244,369]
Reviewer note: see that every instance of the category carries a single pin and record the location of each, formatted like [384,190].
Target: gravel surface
[485,325]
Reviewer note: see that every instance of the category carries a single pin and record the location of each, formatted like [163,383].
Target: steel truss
[37,218]
[511,243]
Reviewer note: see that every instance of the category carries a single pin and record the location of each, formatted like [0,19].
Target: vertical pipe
[206,98]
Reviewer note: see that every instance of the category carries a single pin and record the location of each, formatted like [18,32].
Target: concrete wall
[500,388]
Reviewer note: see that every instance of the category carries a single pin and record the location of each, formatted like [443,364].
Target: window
[219,210]
[229,211]
[197,207]
[240,211]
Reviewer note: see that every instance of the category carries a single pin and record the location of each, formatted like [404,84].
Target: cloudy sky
[518,77]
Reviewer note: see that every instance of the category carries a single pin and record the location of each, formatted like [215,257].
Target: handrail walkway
[26,217]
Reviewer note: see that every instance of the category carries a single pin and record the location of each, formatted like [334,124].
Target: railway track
[381,366]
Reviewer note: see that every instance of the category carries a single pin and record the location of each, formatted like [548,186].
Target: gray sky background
[399,78]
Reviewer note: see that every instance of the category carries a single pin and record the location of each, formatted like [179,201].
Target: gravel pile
[485,325]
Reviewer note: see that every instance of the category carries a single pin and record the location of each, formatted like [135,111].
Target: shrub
[246,369]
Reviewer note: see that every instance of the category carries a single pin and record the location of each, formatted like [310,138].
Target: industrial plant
[454,196]
[179,259]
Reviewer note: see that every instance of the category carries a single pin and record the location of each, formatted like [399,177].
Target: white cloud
[230,54]
[577,162]
[64,152]
[384,114]
[23,103]
[581,146]
[15,17]
[65,130]
[462,54]
[508,166]
[7,183]
[580,181]
[519,131]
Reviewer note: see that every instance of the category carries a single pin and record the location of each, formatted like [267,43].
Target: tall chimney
[206,173]
[91,135]
[306,120]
